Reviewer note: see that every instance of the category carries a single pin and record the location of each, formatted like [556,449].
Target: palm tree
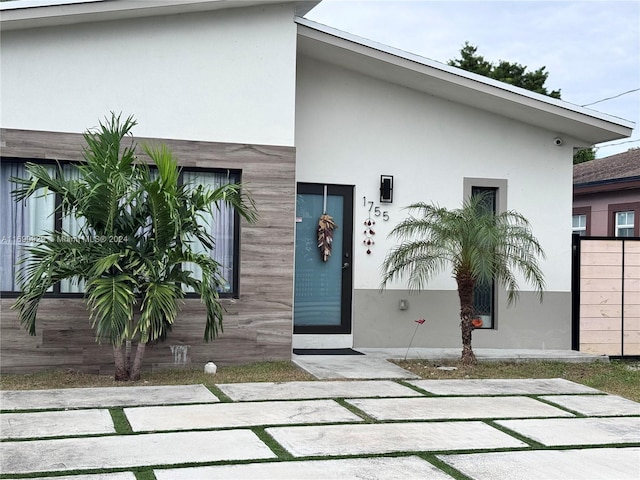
[476,243]
[136,243]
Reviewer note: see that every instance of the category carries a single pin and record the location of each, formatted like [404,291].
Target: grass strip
[120,421]
[144,475]
[270,442]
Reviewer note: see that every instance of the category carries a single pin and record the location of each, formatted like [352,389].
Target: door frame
[346,294]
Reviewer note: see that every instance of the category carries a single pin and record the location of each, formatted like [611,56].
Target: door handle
[345,265]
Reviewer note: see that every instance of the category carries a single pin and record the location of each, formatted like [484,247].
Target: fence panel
[607,277]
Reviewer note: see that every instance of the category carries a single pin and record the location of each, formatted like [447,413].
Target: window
[579,225]
[19,223]
[581,221]
[37,215]
[222,227]
[484,292]
[486,295]
[623,220]
[624,224]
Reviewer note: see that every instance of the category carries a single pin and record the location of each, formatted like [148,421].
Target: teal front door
[323,289]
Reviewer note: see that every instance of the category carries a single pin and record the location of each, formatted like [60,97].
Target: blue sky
[591,48]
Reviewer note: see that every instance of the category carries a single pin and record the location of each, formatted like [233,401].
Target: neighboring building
[250,89]
[606,196]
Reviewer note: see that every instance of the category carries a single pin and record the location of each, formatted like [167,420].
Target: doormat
[326,351]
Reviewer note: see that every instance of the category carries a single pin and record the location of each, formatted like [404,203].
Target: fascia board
[459,85]
[44,13]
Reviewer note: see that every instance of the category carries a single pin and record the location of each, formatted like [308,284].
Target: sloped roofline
[404,68]
[45,13]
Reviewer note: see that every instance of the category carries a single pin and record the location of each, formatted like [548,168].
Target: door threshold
[307,341]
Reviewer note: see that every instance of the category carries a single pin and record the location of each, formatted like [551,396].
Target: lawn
[617,378]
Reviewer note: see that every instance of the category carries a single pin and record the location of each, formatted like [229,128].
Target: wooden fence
[606,295]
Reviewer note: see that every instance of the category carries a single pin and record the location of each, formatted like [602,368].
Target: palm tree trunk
[465,293]
[127,357]
[121,373]
[137,362]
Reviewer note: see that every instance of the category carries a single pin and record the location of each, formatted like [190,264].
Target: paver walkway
[376,429]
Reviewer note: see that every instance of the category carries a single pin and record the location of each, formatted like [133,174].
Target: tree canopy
[504,71]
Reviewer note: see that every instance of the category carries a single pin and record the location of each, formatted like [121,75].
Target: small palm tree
[134,246]
[476,243]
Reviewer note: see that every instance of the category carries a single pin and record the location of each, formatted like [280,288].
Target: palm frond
[159,309]
[473,241]
[111,300]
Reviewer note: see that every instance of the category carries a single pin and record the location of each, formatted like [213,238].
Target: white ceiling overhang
[454,84]
[46,13]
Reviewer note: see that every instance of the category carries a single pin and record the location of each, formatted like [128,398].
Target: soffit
[421,74]
[46,13]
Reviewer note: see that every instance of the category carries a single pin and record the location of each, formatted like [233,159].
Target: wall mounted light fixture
[386,188]
[404,304]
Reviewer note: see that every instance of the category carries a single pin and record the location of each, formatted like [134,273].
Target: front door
[323,286]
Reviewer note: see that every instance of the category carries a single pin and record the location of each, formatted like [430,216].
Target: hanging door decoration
[326,226]
[369,233]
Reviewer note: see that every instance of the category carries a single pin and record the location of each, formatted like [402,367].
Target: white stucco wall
[226,76]
[350,129]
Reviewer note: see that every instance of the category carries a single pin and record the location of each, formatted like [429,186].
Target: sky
[591,49]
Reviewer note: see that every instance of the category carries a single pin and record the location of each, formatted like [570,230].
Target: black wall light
[386,188]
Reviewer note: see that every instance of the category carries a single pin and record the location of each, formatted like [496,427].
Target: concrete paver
[590,463]
[241,392]
[95,476]
[55,424]
[127,451]
[434,408]
[104,397]
[326,367]
[578,431]
[398,468]
[485,354]
[597,405]
[390,437]
[224,415]
[523,386]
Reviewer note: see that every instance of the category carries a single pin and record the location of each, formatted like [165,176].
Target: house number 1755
[375,209]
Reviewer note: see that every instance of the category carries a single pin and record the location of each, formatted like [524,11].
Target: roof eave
[608,185]
[15,15]
[586,126]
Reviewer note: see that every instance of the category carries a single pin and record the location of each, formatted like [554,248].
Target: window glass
[625,224]
[20,222]
[579,225]
[484,292]
[221,226]
[72,227]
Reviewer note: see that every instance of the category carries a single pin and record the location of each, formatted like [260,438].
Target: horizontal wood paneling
[610,297]
[257,325]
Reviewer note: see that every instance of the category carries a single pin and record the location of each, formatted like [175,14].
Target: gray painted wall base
[378,321]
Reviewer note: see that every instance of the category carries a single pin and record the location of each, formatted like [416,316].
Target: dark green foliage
[512,73]
[584,155]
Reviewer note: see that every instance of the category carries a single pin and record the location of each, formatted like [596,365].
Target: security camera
[558,141]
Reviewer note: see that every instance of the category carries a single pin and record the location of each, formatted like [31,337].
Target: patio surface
[394,428]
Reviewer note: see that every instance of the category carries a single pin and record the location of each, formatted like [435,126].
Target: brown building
[606,196]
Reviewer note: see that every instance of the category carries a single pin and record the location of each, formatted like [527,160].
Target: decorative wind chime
[369,233]
[326,226]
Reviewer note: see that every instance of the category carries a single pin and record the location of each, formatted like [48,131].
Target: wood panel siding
[610,296]
[257,324]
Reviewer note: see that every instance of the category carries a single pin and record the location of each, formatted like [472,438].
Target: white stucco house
[254,91]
